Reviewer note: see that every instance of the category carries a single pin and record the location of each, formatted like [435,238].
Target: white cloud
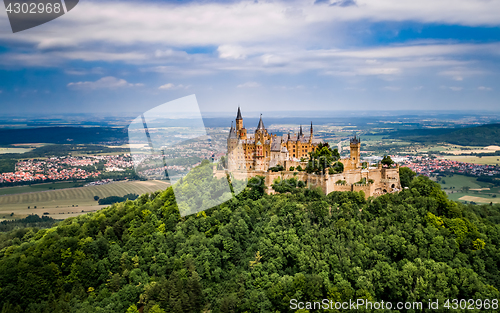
[392,88]
[418,88]
[170,86]
[231,52]
[108,82]
[453,88]
[298,87]
[483,88]
[239,22]
[249,85]
[80,71]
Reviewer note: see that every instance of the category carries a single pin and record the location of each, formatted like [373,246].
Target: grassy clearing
[453,186]
[64,203]
[457,182]
[14,150]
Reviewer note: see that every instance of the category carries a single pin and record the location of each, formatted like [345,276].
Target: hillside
[483,135]
[58,134]
[255,253]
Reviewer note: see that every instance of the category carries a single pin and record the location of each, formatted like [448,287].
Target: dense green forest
[483,135]
[58,134]
[256,252]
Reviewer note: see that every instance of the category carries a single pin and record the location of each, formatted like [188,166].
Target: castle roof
[232,132]
[238,116]
[355,140]
[261,124]
[275,146]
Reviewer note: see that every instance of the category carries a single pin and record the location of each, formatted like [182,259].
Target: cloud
[453,88]
[344,3]
[170,86]
[249,85]
[483,88]
[392,88]
[298,87]
[418,88]
[79,71]
[108,82]
[237,23]
[173,55]
[231,52]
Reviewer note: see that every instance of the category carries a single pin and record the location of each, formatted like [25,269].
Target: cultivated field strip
[84,193]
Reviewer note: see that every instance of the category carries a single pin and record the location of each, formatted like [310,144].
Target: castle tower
[260,132]
[241,132]
[239,120]
[355,152]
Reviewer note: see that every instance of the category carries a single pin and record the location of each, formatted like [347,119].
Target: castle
[255,154]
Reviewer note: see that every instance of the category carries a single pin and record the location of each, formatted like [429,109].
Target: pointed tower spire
[311,127]
[238,116]
[300,133]
[261,124]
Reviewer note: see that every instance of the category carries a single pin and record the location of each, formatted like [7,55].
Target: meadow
[63,203]
[479,192]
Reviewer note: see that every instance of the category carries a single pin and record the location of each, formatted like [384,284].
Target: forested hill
[74,135]
[256,252]
[483,135]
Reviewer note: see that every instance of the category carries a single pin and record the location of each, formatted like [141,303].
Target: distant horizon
[256,113]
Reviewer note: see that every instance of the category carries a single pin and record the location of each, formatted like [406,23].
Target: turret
[239,121]
[355,146]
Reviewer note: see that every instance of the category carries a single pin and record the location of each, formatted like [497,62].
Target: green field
[454,187]
[39,187]
[14,150]
[71,201]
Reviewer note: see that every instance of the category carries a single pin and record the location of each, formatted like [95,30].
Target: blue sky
[117,57]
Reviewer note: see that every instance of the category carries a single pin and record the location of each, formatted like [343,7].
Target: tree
[132,309]
[321,159]
[406,175]
[96,198]
[386,160]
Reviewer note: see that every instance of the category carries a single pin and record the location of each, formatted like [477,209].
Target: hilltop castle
[255,154]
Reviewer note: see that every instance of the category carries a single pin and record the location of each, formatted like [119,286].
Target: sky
[120,57]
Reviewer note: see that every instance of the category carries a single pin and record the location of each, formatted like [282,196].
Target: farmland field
[479,192]
[39,187]
[64,203]
[488,160]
